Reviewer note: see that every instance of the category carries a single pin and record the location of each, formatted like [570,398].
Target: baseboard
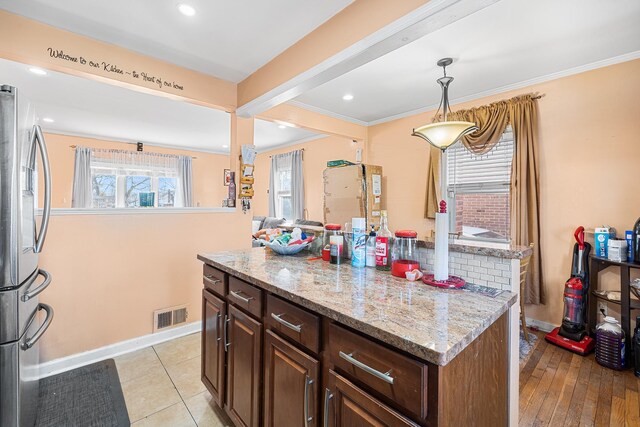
[543,326]
[67,363]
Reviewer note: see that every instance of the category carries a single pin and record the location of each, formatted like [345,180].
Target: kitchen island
[294,341]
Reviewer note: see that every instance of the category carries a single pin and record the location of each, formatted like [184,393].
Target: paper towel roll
[441,261]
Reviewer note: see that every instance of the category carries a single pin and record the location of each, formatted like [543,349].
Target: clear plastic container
[404,254]
[329,230]
[610,344]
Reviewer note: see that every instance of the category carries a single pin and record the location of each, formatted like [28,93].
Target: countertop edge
[412,348]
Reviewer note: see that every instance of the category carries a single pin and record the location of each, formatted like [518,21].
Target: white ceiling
[89,108]
[505,44]
[229,39]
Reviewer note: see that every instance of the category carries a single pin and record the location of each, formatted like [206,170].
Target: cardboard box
[601,241]
[353,192]
[617,250]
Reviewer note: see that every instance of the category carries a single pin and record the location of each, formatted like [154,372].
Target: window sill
[135,211]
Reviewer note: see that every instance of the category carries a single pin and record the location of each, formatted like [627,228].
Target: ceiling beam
[344,43]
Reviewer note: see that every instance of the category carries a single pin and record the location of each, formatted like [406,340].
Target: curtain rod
[301,149]
[130,151]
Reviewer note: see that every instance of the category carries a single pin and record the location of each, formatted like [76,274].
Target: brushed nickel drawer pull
[226,333]
[384,376]
[210,278]
[278,318]
[307,382]
[327,397]
[240,297]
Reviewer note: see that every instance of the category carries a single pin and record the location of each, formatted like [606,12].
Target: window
[478,190]
[134,180]
[283,194]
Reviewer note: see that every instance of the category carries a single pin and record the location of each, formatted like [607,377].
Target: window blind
[490,172]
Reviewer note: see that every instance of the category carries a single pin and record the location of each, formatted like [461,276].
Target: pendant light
[443,134]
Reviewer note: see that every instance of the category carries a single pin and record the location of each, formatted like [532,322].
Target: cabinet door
[290,385]
[244,359]
[213,373]
[345,405]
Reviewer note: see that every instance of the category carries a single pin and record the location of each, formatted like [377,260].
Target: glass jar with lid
[404,254]
[330,230]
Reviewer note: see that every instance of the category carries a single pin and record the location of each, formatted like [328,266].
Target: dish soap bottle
[371,248]
[383,244]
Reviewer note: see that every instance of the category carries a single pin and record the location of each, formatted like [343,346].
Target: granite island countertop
[429,323]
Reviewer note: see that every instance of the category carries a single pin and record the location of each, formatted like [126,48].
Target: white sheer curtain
[81,195]
[286,186]
[186,177]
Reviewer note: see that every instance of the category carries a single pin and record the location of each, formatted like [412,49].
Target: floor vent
[169,317]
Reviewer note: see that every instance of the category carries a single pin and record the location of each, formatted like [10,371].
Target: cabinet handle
[307,382]
[226,333]
[210,278]
[327,397]
[240,297]
[218,328]
[384,376]
[278,318]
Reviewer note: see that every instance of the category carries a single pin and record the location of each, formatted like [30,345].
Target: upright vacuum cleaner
[573,334]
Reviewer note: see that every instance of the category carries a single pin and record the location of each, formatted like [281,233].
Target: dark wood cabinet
[213,361]
[244,358]
[290,385]
[347,405]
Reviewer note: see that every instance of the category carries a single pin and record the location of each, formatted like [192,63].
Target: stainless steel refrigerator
[21,240]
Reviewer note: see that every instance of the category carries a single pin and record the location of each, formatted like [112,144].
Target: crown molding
[291,143]
[519,85]
[328,113]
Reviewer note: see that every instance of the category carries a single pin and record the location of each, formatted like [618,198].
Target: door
[347,405]
[244,365]
[290,385]
[20,143]
[214,314]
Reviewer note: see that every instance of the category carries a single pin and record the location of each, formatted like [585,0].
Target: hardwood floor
[559,388]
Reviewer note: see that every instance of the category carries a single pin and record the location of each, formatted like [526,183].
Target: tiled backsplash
[482,270]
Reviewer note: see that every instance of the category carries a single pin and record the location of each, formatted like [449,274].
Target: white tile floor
[162,386]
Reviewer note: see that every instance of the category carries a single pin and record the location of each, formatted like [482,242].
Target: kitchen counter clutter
[429,323]
[297,341]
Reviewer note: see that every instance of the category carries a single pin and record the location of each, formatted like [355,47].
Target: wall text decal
[113,68]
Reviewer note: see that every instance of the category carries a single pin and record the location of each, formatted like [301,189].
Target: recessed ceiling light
[48,120]
[38,71]
[186,10]
[347,97]
[282,126]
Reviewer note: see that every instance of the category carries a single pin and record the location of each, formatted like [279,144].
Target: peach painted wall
[208,168]
[588,155]
[316,155]
[110,272]
[25,40]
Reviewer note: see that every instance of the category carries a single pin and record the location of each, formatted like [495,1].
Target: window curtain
[292,161]
[185,173]
[492,119]
[81,194]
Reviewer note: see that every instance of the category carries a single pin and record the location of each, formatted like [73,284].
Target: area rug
[526,347]
[87,396]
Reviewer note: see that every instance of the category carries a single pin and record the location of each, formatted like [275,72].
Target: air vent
[169,317]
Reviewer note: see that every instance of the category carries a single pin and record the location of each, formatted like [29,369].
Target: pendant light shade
[442,134]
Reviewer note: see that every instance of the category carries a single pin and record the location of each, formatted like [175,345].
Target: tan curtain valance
[491,120]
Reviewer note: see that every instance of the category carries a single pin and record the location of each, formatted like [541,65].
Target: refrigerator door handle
[29,342]
[32,293]
[38,137]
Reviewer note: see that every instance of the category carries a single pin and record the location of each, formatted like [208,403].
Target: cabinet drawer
[398,377]
[214,280]
[347,405]
[294,322]
[245,296]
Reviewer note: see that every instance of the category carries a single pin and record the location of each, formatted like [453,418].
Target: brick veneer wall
[489,211]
